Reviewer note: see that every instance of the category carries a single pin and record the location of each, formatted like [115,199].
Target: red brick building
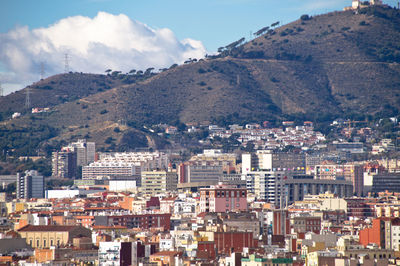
[228,242]
[306,224]
[144,221]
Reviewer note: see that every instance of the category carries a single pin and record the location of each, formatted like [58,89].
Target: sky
[129,34]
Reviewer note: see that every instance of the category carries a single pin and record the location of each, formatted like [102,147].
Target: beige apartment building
[154,182]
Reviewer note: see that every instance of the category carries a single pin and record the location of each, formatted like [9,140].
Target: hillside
[63,88]
[330,65]
[334,64]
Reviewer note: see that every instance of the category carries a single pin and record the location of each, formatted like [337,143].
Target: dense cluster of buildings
[272,138]
[311,204]
[266,207]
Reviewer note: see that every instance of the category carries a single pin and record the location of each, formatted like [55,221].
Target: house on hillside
[356,4]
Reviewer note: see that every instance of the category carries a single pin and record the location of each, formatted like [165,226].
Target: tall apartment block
[64,164]
[30,185]
[85,151]
[66,161]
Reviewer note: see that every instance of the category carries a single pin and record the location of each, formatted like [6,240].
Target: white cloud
[93,45]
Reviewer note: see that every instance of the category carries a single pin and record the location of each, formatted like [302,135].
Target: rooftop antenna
[28,98]
[66,63]
[41,70]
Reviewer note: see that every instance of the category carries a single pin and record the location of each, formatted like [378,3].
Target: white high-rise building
[266,185]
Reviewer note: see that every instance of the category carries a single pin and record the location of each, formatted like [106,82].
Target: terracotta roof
[168,198]
[99,227]
[44,228]
[167,253]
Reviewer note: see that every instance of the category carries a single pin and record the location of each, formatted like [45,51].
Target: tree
[261,31]
[275,24]
[305,17]
[234,44]
[148,71]
[108,71]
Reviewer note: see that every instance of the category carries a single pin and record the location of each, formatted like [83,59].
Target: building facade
[154,182]
[386,181]
[223,199]
[297,187]
[45,236]
[30,185]
[64,164]
[267,160]
[266,185]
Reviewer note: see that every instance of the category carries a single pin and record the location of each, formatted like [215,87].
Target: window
[51,242]
[37,243]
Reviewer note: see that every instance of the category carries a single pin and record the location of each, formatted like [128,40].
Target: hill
[63,88]
[337,64]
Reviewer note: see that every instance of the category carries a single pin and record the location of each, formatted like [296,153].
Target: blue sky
[214,23]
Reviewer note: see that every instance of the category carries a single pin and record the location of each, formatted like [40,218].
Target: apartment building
[273,161]
[30,185]
[155,182]
[222,198]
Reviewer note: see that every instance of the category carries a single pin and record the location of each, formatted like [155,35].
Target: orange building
[44,255]
[126,203]
[165,257]
[63,220]
[376,233]
[85,220]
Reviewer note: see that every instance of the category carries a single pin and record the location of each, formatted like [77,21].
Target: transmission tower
[28,98]
[1,91]
[66,63]
[41,70]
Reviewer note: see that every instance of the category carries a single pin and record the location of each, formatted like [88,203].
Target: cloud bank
[93,45]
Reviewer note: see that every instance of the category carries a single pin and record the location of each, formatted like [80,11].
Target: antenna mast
[1,91]
[28,98]
[66,63]
[41,70]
